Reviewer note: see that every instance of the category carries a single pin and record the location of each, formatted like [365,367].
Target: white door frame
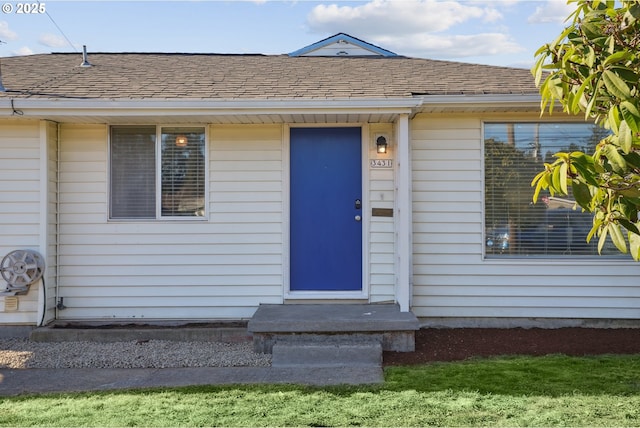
[286,180]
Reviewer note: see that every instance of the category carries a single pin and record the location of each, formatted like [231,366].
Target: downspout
[57,225]
[42,229]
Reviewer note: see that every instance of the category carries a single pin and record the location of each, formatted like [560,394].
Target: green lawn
[518,391]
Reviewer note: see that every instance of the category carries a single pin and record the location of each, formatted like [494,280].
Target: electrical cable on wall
[15,111]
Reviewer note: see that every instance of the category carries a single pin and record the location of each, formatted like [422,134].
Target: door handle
[358,218]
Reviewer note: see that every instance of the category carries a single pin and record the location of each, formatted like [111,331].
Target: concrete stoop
[327,353]
[340,335]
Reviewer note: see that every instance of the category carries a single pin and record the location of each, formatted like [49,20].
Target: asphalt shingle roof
[243,77]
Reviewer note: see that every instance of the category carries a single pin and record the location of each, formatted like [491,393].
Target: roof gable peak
[342,44]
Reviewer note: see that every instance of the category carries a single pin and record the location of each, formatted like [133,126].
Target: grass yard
[518,391]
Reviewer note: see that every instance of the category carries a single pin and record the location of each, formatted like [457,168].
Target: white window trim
[617,259]
[158,161]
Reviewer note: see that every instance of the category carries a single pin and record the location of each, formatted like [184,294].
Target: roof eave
[41,108]
[200,108]
[470,98]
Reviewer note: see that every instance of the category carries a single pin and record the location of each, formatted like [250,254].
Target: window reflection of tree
[510,164]
[183,179]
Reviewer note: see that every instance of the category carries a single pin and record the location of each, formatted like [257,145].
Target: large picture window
[514,226]
[157,172]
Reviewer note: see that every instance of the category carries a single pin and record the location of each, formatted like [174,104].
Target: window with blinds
[133,172]
[553,227]
[157,172]
[182,174]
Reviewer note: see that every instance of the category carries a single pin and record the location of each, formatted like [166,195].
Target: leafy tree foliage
[593,68]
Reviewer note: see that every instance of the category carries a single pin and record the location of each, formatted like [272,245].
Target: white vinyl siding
[381,229]
[452,279]
[20,196]
[220,268]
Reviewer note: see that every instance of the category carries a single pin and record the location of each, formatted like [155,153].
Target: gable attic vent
[85,57]
[342,44]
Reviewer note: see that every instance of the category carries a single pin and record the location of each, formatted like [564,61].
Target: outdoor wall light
[381,144]
[181,140]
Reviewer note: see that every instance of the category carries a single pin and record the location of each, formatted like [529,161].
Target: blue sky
[498,32]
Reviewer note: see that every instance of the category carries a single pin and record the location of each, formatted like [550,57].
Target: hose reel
[20,269]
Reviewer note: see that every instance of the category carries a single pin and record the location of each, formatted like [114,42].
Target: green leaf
[563,178]
[630,193]
[634,10]
[627,74]
[616,85]
[633,159]
[612,44]
[631,115]
[581,194]
[540,181]
[614,119]
[583,165]
[536,70]
[615,159]
[634,245]
[603,239]
[617,237]
[631,227]
[560,38]
[616,57]
[580,99]
[592,232]
[556,180]
[591,30]
[588,110]
[555,88]
[625,139]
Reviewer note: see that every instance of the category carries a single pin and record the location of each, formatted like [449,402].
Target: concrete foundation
[133,332]
[547,323]
[11,331]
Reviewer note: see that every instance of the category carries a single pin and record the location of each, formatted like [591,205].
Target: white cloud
[422,28]
[456,46]
[393,17]
[493,3]
[25,50]
[554,11]
[6,33]
[492,15]
[52,41]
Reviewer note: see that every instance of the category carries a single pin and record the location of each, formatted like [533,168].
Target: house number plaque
[381,163]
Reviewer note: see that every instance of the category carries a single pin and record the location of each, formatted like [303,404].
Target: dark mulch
[463,343]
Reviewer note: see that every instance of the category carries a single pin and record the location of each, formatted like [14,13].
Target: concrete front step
[394,329]
[327,354]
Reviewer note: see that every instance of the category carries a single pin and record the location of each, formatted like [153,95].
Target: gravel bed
[20,353]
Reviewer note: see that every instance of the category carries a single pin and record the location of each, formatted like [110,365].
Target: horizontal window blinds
[183,171]
[133,172]
[514,225]
[157,172]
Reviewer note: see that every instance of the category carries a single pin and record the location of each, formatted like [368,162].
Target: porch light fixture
[181,140]
[381,144]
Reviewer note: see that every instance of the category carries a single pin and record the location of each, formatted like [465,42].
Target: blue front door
[326,209]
